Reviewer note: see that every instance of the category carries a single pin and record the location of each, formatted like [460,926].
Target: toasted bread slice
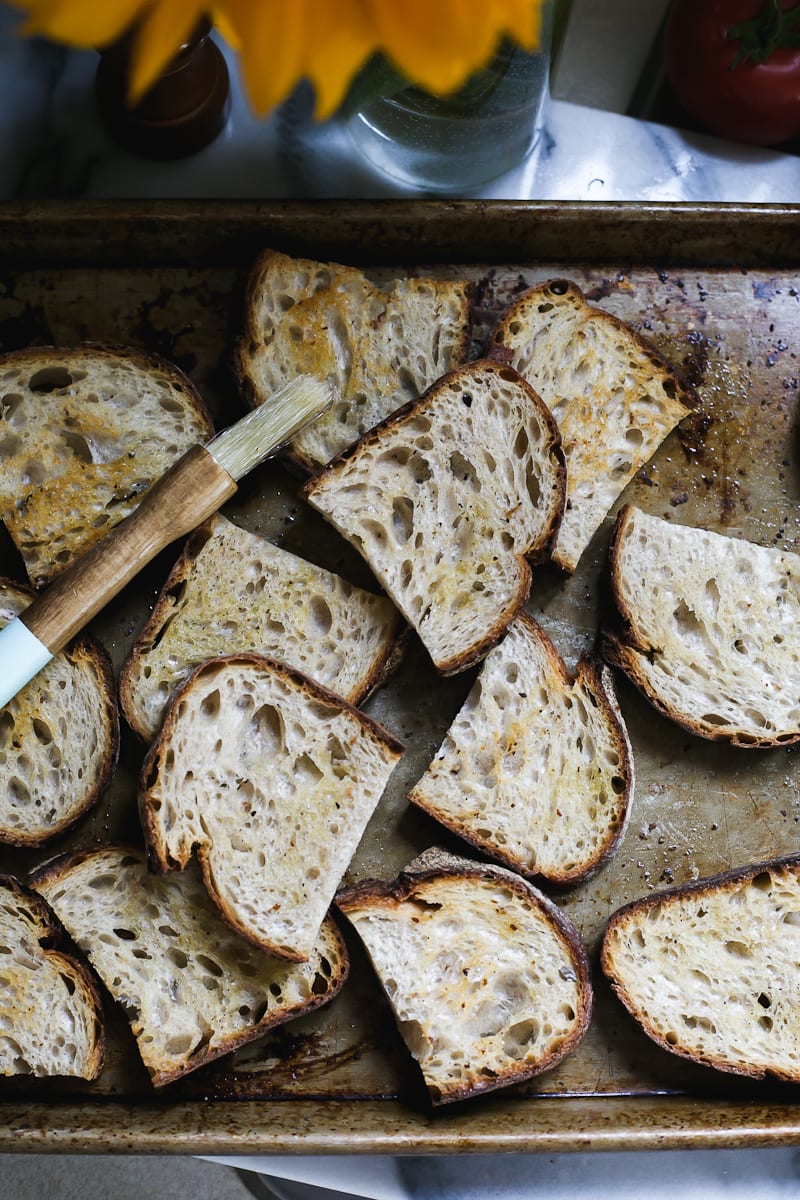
[59,737]
[233,591]
[487,978]
[270,780]
[536,769]
[613,396]
[378,347]
[446,501]
[51,1015]
[708,629]
[84,432]
[191,988]
[709,969]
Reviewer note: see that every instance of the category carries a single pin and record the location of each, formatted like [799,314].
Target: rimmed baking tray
[717,289]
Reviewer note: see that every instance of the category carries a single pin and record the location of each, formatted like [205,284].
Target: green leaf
[769,30]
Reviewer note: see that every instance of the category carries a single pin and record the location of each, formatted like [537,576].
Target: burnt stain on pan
[285,1064]
[158,335]
[22,323]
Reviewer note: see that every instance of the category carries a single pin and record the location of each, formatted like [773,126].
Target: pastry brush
[191,490]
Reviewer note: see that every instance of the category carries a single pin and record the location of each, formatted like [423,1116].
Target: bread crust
[623,647]
[435,865]
[58,869]
[160,860]
[50,936]
[101,490]
[729,882]
[386,659]
[316,354]
[89,657]
[596,678]
[588,457]
[538,551]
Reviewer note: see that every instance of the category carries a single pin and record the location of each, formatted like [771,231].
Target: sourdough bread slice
[51,1015]
[59,737]
[488,980]
[613,397]
[709,969]
[536,770]
[191,989]
[379,347]
[83,433]
[708,629]
[233,591]
[270,780]
[446,500]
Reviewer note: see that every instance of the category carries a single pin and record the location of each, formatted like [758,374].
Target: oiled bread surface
[379,347]
[708,629]
[270,780]
[233,591]
[613,397]
[84,432]
[58,737]
[488,980]
[191,988]
[709,969]
[536,769]
[446,500]
[51,1018]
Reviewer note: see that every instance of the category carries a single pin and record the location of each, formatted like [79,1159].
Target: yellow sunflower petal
[271,37]
[88,25]
[435,43]
[438,45]
[345,43]
[165,27]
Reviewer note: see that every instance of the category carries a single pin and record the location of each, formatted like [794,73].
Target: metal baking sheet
[717,290]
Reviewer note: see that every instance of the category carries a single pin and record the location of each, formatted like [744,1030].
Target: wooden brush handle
[190,491]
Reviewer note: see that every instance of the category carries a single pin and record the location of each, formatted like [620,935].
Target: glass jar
[454,144]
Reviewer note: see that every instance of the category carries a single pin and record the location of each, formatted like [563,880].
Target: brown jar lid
[184,110]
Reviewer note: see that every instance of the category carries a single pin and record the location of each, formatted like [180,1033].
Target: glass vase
[457,143]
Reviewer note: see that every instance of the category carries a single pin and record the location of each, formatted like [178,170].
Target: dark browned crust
[478,651]
[436,864]
[723,881]
[590,672]
[50,936]
[86,654]
[537,552]
[621,647]
[160,861]
[622,523]
[384,663]
[340,970]
[250,337]
[560,291]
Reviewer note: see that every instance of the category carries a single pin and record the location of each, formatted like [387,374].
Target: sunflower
[435,44]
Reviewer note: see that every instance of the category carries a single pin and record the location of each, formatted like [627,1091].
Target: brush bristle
[263,431]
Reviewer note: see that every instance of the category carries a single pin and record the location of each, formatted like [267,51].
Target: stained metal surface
[719,294]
